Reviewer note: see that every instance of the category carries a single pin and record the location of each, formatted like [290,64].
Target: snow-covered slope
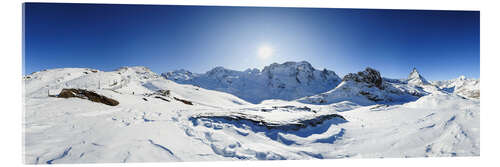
[466,87]
[126,80]
[154,123]
[287,81]
[365,88]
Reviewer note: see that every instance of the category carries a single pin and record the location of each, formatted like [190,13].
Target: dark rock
[89,95]
[260,122]
[165,93]
[370,96]
[475,94]
[305,108]
[184,101]
[266,110]
[159,97]
[369,76]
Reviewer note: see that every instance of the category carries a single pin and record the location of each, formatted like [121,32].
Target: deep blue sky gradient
[441,44]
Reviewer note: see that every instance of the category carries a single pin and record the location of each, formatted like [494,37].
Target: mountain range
[284,111]
[301,81]
[287,81]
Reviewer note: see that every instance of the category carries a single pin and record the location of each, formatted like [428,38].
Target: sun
[265,52]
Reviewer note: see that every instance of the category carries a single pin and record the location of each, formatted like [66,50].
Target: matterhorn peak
[416,79]
[414,73]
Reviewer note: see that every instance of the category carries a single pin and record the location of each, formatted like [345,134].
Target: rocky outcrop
[367,88]
[369,76]
[89,95]
[258,121]
[184,101]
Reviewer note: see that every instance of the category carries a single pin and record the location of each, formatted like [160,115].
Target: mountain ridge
[292,81]
[276,80]
[289,80]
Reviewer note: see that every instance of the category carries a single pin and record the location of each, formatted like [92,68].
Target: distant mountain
[462,86]
[368,87]
[300,81]
[416,79]
[287,81]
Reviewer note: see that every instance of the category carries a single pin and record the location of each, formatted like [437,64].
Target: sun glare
[265,52]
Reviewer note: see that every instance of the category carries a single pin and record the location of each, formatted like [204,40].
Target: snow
[222,126]
[288,81]
[416,79]
[466,87]
[368,87]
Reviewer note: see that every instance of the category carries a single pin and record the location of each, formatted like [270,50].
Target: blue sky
[440,44]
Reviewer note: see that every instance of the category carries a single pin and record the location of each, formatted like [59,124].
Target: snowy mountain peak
[219,70]
[414,73]
[252,70]
[365,88]
[303,73]
[414,70]
[290,67]
[293,63]
[416,79]
[287,81]
[463,86]
[181,74]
